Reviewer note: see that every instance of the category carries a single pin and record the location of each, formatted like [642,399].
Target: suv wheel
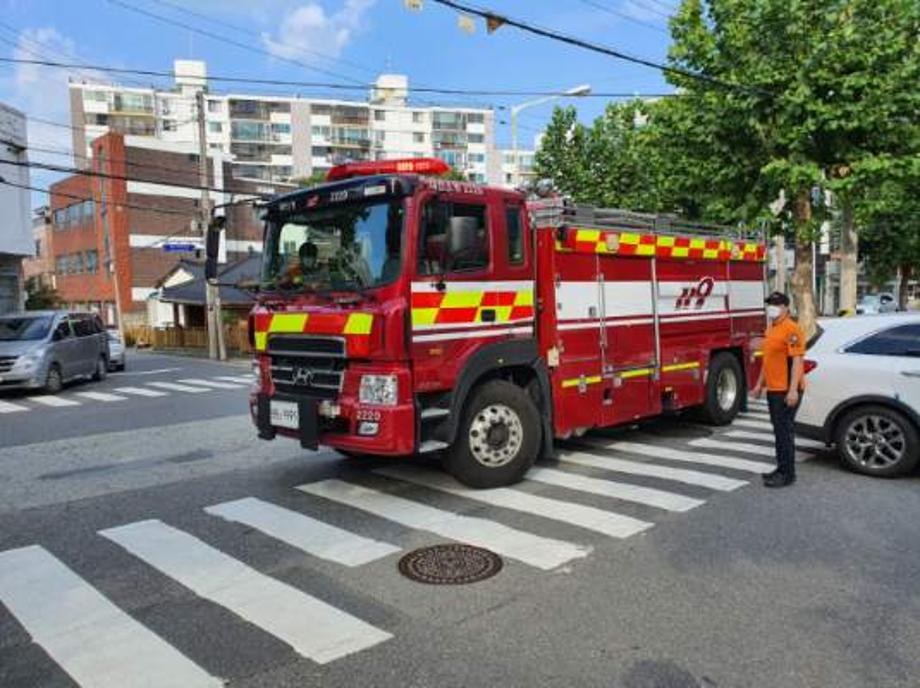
[877,440]
[102,369]
[499,438]
[54,381]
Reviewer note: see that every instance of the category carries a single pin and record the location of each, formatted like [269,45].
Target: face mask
[773,312]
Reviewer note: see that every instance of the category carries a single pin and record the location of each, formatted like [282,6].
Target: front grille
[307,365]
[6,363]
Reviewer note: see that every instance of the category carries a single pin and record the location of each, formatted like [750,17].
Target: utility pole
[216,345]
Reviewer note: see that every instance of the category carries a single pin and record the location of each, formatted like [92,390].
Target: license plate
[284,414]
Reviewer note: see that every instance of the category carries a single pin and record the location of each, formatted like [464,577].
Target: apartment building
[278,139]
[15,226]
[117,231]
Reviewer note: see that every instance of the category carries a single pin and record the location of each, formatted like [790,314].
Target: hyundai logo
[302,376]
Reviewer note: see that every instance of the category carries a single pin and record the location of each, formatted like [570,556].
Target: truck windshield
[26,328]
[349,246]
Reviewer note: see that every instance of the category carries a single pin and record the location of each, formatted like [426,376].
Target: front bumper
[395,425]
[19,377]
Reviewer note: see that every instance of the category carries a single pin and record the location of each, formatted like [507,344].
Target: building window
[475,138]
[475,118]
[213,106]
[215,128]
[38,248]
[418,137]
[418,117]
[98,96]
[60,265]
[380,115]
[170,125]
[278,129]
[477,157]
[92,261]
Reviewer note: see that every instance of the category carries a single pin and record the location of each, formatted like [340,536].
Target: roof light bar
[433,166]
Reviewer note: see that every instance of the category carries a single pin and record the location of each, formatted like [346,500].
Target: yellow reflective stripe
[711,253]
[680,366]
[461,299]
[261,339]
[666,240]
[637,372]
[587,235]
[697,243]
[288,322]
[359,323]
[575,381]
[629,238]
[680,251]
[424,316]
[524,298]
[645,250]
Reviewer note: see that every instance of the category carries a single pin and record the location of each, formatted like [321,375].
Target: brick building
[119,225]
[40,267]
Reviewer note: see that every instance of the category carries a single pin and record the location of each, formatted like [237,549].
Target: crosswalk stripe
[210,383]
[680,475]
[534,550]
[659,452]
[141,392]
[746,448]
[298,530]
[100,396]
[768,437]
[750,423]
[669,501]
[313,628]
[246,379]
[757,403]
[175,387]
[94,641]
[53,401]
[6,407]
[758,415]
[588,517]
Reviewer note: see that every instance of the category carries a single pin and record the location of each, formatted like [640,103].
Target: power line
[339,86]
[498,20]
[622,15]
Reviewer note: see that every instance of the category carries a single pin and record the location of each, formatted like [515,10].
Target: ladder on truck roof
[556,212]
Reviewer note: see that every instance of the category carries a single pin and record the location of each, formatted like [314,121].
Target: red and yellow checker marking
[354,327]
[625,243]
[461,307]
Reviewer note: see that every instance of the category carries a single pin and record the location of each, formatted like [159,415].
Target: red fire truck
[401,313]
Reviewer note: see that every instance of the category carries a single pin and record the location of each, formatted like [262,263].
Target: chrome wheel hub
[875,442]
[496,435]
[726,389]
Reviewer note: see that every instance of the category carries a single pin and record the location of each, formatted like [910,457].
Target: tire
[877,440]
[724,390]
[54,381]
[102,369]
[498,439]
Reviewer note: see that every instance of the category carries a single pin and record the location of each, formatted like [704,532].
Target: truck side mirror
[212,246]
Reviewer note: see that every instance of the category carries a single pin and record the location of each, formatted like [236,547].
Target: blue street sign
[180,248]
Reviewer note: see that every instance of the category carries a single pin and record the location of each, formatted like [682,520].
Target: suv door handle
[910,373]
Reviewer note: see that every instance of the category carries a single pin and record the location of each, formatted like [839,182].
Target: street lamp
[581,90]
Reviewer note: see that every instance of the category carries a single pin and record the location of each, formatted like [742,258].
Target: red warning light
[432,166]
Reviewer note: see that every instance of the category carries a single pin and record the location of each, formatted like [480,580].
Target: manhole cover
[450,564]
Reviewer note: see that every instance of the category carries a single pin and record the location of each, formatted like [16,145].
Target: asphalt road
[112,571]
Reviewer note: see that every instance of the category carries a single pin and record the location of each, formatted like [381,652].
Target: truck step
[431,413]
[429,446]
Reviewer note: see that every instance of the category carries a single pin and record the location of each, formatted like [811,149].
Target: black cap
[777,298]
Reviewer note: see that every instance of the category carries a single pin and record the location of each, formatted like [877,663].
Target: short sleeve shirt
[782,342]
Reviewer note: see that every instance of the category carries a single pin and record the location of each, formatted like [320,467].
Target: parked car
[872,304]
[46,349]
[116,350]
[864,393]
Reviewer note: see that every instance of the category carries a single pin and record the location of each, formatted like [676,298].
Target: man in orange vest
[782,373]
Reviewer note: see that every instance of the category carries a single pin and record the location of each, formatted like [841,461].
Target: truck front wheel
[498,438]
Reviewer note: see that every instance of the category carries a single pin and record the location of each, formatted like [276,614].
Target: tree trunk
[907,271]
[802,286]
[849,254]
[779,254]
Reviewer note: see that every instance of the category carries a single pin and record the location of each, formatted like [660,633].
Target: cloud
[309,30]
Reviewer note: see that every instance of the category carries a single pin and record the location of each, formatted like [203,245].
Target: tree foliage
[40,296]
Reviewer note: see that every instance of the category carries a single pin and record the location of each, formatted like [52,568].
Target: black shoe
[779,480]
[770,476]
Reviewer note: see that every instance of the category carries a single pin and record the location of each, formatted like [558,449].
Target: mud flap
[309,423]
[263,418]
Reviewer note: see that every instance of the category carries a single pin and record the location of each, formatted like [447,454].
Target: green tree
[40,296]
[317,177]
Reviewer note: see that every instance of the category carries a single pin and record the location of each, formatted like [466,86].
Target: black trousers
[783,417]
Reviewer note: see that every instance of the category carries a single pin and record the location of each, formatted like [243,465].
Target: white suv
[864,393]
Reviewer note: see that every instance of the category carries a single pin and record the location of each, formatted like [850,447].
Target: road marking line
[6,407]
[757,415]
[748,423]
[303,532]
[54,401]
[141,391]
[246,379]
[93,640]
[669,501]
[174,387]
[803,442]
[146,372]
[670,454]
[313,628]
[745,448]
[100,396]
[681,475]
[757,402]
[591,518]
[534,550]
[209,383]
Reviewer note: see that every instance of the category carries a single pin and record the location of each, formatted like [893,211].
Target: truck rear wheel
[498,438]
[724,389]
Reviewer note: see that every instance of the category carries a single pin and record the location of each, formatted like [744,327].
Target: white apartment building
[277,139]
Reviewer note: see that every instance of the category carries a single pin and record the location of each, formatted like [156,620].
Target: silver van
[45,349]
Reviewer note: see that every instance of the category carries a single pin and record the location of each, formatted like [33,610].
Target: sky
[342,41]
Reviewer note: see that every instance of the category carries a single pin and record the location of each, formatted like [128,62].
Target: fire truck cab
[402,313]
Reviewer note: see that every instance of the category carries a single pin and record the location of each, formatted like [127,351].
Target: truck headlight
[378,389]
